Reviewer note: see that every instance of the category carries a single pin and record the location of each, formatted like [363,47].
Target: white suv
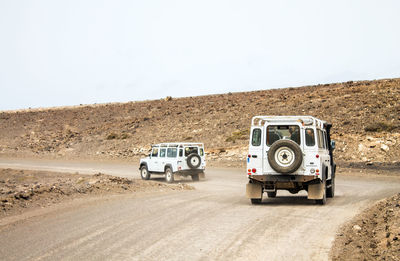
[174,160]
[290,153]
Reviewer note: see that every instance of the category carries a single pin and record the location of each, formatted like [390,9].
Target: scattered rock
[384,147]
[356,228]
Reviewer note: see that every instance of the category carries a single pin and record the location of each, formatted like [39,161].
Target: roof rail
[307,120]
[178,144]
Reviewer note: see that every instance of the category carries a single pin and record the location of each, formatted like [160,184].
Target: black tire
[323,200]
[293,191]
[256,201]
[271,194]
[193,161]
[144,172]
[195,177]
[169,175]
[330,192]
[285,156]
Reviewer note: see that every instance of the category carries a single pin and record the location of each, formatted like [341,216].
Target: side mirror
[150,155]
[333,144]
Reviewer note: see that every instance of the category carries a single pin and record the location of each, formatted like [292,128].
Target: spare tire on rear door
[285,156]
[193,161]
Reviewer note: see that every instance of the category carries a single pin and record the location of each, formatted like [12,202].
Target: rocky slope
[21,190]
[372,235]
[365,117]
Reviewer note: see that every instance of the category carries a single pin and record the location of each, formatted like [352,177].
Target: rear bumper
[284,178]
[188,172]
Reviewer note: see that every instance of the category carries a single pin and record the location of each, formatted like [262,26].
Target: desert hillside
[365,117]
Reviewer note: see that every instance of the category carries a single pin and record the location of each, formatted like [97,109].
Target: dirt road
[213,222]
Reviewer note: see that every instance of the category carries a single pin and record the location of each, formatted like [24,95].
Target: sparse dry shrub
[379,126]
[238,135]
[124,136]
[112,136]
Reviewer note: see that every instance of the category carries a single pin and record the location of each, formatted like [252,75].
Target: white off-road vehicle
[174,160]
[290,153]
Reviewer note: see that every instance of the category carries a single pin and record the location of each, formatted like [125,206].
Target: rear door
[273,133]
[256,146]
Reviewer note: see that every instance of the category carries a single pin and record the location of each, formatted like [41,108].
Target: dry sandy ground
[214,221]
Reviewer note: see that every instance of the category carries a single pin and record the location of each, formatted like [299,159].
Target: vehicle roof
[178,144]
[305,120]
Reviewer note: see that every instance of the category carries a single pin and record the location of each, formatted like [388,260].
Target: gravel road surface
[213,222]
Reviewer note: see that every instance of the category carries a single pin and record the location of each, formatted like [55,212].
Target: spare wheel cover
[285,156]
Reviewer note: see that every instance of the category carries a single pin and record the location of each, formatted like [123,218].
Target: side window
[155,152]
[320,139]
[310,137]
[326,140]
[256,137]
[162,152]
[180,152]
[171,152]
[201,152]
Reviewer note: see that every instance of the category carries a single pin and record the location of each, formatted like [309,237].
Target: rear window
[310,137]
[201,152]
[256,137]
[283,132]
[190,150]
[172,152]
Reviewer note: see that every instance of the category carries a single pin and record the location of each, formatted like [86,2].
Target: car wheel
[330,192]
[323,200]
[285,156]
[271,194]
[195,177]
[256,201]
[169,175]
[193,161]
[144,173]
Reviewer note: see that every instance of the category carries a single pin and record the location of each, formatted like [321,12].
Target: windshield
[283,132]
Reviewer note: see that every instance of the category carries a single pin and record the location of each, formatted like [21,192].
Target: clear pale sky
[55,53]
